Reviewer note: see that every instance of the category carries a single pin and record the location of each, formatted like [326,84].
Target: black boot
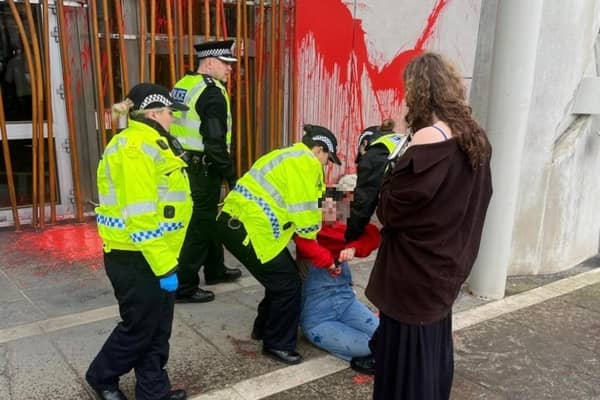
[229,275]
[364,365]
[199,296]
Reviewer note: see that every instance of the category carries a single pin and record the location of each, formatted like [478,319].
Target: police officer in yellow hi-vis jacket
[205,133]
[276,199]
[144,210]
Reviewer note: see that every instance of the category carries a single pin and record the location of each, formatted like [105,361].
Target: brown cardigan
[432,207]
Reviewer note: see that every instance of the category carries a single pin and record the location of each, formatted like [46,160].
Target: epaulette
[209,80]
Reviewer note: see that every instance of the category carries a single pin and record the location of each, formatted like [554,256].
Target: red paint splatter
[334,71]
[60,245]
[247,348]
[362,379]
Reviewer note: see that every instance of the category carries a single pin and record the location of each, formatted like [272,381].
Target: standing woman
[432,207]
[145,207]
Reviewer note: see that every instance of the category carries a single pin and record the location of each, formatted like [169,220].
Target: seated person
[332,318]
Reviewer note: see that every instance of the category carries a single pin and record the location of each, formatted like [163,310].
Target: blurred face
[329,210]
[219,69]
[164,116]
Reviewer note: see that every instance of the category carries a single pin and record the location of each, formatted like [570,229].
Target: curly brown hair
[434,88]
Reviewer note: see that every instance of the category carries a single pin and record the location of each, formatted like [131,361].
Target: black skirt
[413,361]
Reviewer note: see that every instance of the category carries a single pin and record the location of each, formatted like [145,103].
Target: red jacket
[330,242]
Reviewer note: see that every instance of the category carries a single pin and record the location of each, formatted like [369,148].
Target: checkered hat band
[325,140]
[364,136]
[155,98]
[213,53]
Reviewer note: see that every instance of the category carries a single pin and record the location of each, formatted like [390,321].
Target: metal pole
[510,95]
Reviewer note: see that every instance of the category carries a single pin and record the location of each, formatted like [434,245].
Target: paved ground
[542,342]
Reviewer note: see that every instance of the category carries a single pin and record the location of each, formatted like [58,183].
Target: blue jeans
[332,318]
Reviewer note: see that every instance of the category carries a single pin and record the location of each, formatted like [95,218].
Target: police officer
[374,146]
[144,210]
[276,199]
[205,133]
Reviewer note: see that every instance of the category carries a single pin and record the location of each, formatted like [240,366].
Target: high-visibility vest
[186,124]
[389,141]
[145,202]
[277,198]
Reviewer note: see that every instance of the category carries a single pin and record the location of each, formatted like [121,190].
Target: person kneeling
[332,317]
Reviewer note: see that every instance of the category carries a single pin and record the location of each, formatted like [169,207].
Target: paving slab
[37,370]
[563,321]
[72,297]
[518,362]
[8,290]
[18,312]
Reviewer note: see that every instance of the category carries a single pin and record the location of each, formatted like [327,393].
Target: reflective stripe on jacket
[144,192]
[186,125]
[389,141]
[278,197]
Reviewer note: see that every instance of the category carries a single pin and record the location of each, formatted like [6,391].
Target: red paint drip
[340,50]
[61,245]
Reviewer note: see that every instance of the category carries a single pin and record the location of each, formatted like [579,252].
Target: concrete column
[514,54]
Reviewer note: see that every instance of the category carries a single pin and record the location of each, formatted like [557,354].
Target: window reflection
[14,72]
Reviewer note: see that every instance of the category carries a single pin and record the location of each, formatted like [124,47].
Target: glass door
[15,83]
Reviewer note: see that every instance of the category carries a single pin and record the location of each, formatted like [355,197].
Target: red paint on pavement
[362,379]
[61,246]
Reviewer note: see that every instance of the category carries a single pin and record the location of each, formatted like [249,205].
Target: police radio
[398,151]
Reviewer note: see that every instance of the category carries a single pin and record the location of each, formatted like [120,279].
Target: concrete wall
[556,222]
[350,56]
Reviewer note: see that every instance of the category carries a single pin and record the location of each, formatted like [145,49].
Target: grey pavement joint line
[86,317]
[277,381]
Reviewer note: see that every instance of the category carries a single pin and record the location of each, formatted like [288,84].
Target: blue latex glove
[169,283]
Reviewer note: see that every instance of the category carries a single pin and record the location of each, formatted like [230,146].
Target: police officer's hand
[169,283]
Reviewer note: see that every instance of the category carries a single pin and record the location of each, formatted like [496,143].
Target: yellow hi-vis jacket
[277,198]
[389,141]
[186,125]
[145,202]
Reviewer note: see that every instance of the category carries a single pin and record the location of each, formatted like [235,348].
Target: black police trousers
[200,246]
[279,311]
[141,340]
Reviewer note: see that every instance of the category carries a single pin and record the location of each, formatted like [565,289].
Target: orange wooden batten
[98,75]
[70,119]
[206,19]
[49,113]
[12,194]
[247,110]
[190,19]
[238,89]
[259,62]
[180,38]
[38,116]
[122,49]
[30,67]
[143,28]
[109,66]
[152,41]
[172,76]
